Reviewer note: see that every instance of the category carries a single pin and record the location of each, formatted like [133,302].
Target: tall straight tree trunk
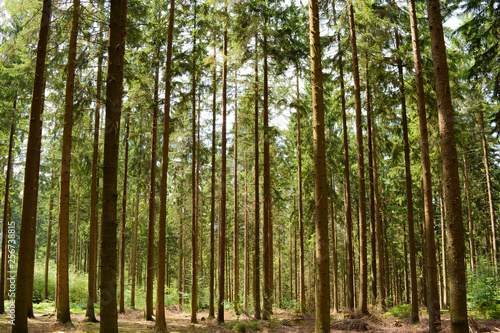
[247,247]
[322,254]
[334,254]
[266,253]
[93,225]
[301,212]
[431,262]
[451,181]
[409,195]
[114,90]
[256,258]
[161,325]
[4,269]
[133,251]
[373,235]
[49,239]
[194,190]
[444,302]
[76,264]
[347,185]
[236,265]
[211,307]
[222,224]
[63,314]
[150,271]
[124,221]
[472,247]
[486,162]
[180,284]
[363,266]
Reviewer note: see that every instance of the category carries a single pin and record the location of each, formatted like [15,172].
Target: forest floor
[281,322]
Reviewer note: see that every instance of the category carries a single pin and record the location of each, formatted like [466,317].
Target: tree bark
[76,263]
[161,325]
[444,303]
[472,247]
[63,314]
[49,238]
[211,308]
[222,224]
[3,274]
[93,225]
[451,181]
[123,222]
[133,251]
[114,90]
[256,258]
[322,257]
[236,266]
[409,195]
[363,304]
[150,271]
[334,254]
[247,247]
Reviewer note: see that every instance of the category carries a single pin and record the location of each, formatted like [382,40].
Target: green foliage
[245,326]
[401,311]
[482,290]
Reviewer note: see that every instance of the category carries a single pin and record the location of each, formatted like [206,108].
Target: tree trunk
[114,90]
[161,325]
[49,237]
[433,295]
[133,251]
[256,259]
[347,184]
[236,206]
[76,264]
[150,269]
[63,314]
[93,225]
[301,211]
[222,224]
[409,195]
[322,256]
[247,248]
[194,190]
[486,162]
[3,286]
[211,308]
[334,254]
[451,181]
[123,222]
[363,306]
[444,303]
[373,238]
[472,247]
[180,284]
[266,253]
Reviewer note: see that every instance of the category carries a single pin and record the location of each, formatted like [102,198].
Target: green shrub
[401,311]
[482,291]
[245,326]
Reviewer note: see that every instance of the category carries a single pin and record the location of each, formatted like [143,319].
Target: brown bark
[430,260]
[194,190]
[93,225]
[322,257]
[373,238]
[266,250]
[63,314]
[363,304]
[334,254]
[222,224]
[409,195]
[451,181]
[150,269]
[247,248]
[133,251]
[161,325]
[123,222]
[472,247]
[256,258]
[76,264]
[49,239]
[236,265]
[211,308]
[114,90]
[180,283]
[444,300]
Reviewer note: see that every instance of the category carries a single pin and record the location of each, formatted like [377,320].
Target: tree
[363,304]
[322,257]
[161,325]
[124,219]
[26,256]
[114,89]
[451,179]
